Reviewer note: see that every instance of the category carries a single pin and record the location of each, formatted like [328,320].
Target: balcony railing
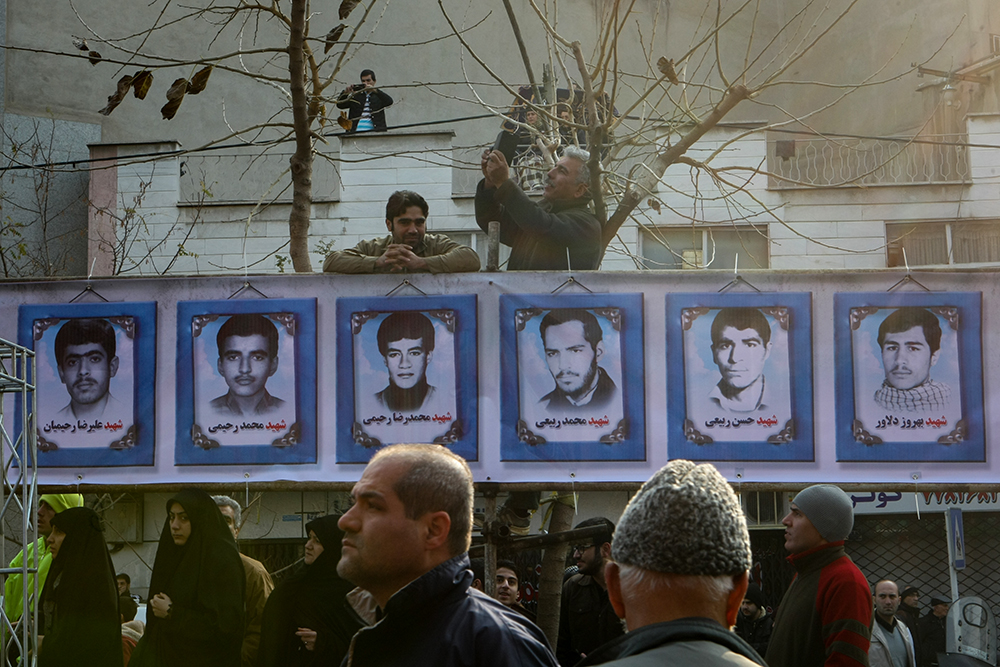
[802,161]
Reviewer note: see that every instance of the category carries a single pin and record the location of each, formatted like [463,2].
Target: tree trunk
[302,160]
[644,185]
[553,566]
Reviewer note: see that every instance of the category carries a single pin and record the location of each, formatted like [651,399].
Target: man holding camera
[557,234]
[365,104]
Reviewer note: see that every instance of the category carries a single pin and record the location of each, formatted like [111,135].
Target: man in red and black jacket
[825,617]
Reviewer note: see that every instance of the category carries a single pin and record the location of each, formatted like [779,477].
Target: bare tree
[639,121]
[37,233]
[276,49]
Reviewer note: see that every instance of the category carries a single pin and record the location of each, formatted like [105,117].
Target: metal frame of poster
[575,391]
[739,376]
[77,435]
[395,388]
[929,405]
[281,427]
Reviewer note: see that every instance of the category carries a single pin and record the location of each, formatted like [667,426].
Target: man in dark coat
[365,104]
[753,623]
[557,234]
[932,632]
[405,543]
[678,572]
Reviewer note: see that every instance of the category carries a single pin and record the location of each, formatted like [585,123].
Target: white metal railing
[18,497]
[800,161]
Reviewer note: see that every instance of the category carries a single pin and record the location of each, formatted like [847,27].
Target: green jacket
[442,254]
[13,604]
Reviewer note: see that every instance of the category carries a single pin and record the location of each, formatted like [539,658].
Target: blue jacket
[439,620]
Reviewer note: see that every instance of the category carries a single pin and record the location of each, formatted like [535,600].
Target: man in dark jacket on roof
[557,234]
[405,544]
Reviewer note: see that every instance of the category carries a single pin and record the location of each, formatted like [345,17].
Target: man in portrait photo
[406,343]
[574,344]
[248,356]
[741,343]
[910,341]
[86,361]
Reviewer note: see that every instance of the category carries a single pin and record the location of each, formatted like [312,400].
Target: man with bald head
[405,543]
[892,643]
[826,614]
[678,574]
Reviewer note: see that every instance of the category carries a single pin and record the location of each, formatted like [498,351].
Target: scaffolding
[18,496]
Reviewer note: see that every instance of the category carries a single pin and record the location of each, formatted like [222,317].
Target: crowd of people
[390,582]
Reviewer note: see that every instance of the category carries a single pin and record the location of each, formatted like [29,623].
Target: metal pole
[952,573]
[493,247]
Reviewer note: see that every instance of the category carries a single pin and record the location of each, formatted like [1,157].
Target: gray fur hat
[828,509]
[684,520]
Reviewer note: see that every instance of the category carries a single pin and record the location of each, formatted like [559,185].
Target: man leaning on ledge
[407,248]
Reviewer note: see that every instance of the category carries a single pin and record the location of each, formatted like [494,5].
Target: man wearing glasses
[587,619]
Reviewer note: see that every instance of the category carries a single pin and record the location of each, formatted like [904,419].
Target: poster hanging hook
[89,289]
[737,278]
[247,287]
[572,281]
[406,283]
[908,278]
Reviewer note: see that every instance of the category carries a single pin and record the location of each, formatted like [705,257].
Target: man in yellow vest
[48,506]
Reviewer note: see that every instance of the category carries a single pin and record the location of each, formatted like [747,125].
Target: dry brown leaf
[141,83]
[333,36]
[343,121]
[114,100]
[199,81]
[94,57]
[653,204]
[346,7]
[175,95]
[666,67]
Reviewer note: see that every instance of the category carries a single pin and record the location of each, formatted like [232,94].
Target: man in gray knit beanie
[825,616]
[678,572]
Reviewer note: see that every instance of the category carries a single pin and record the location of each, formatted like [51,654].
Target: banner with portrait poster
[573,386]
[910,387]
[745,361]
[246,382]
[407,370]
[95,382]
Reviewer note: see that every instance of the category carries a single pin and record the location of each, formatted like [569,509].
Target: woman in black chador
[80,622]
[194,614]
[306,619]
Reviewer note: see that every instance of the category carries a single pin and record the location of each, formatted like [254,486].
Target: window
[478,241]
[693,247]
[929,243]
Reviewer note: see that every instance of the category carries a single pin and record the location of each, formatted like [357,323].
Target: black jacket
[540,234]
[439,620]
[355,103]
[757,632]
[586,619]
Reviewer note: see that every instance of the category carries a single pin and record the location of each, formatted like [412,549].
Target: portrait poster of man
[89,391]
[245,366]
[407,371]
[575,394]
[737,352]
[908,377]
